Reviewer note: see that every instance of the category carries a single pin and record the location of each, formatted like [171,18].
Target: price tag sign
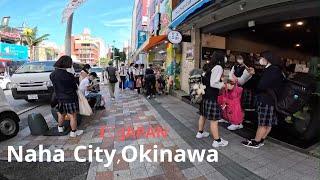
[175,37]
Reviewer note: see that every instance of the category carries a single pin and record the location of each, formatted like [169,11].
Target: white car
[5,82]
[9,120]
[32,80]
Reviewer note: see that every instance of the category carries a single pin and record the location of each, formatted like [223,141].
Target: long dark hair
[63,62]
[216,59]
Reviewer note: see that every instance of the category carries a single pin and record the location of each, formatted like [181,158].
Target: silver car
[9,120]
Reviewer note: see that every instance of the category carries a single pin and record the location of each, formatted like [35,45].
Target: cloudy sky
[108,19]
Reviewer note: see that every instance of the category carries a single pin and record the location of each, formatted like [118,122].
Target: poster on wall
[189,53]
[166,11]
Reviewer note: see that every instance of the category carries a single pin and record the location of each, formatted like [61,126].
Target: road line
[28,109]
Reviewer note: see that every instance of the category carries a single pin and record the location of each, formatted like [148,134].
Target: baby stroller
[196,86]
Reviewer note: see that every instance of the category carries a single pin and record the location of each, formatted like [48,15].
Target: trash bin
[37,124]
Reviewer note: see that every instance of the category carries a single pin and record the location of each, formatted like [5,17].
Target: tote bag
[84,106]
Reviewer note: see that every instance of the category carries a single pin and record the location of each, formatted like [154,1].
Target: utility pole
[68,36]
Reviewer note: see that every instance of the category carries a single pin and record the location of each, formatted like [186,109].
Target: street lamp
[67,15]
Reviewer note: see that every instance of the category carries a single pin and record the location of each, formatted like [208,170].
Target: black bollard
[37,124]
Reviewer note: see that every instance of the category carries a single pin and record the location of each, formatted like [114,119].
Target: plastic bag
[84,106]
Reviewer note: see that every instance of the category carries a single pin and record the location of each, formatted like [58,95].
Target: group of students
[137,77]
[212,109]
[66,88]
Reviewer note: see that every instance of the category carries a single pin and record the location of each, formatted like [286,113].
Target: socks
[73,130]
[201,131]
[262,140]
[60,126]
[218,140]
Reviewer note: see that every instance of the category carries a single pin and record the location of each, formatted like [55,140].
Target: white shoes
[223,121]
[76,133]
[202,135]
[60,129]
[222,143]
[233,127]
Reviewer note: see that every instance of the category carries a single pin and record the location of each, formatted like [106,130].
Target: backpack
[112,75]
[295,93]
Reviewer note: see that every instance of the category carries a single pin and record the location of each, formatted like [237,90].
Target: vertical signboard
[142,37]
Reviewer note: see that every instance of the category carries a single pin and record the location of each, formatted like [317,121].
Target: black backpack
[112,74]
[294,94]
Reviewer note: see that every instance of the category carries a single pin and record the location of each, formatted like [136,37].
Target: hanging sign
[175,37]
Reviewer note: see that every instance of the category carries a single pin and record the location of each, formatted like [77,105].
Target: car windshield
[96,70]
[36,67]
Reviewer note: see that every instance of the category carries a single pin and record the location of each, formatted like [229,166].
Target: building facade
[85,48]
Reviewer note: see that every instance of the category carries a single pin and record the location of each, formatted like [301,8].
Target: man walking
[123,75]
[112,77]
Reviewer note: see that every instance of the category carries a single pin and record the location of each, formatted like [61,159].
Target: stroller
[196,88]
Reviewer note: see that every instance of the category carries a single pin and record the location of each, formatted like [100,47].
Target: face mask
[70,70]
[262,62]
[225,59]
[240,61]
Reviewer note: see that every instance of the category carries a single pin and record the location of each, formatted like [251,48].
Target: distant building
[86,48]
[46,51]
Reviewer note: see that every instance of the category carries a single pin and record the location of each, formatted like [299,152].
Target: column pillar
[68,36]
[196,42]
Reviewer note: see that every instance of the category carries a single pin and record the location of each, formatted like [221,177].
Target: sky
[108,19]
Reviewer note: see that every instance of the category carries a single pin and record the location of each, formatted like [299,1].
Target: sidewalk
[130,110]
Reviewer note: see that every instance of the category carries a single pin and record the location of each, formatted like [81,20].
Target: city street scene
[160,89]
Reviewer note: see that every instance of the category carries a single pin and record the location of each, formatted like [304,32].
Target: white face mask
[225,59]
[70,70]
[263,62]
[240,61]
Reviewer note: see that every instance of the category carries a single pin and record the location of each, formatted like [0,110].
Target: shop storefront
[288,28]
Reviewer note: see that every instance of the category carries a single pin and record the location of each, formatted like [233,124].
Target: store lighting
[288,25]
[300,23]
[298,45]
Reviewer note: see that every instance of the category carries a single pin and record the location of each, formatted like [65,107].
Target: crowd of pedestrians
[213,106]
[222,97]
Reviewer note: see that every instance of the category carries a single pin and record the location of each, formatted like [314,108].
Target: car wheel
[9,125]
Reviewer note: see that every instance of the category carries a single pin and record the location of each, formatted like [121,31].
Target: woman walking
[210,110]
[65,87]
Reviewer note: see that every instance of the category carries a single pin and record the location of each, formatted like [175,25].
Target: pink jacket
[231,99]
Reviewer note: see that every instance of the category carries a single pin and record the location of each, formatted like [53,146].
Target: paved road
[22,105]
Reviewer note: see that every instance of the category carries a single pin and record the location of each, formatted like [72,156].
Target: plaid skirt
[247,99]
[267,115]
[68,108]
[210,109]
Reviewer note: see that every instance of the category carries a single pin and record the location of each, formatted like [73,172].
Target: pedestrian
[65,88]
[112,77]
[131,76]
[272,79]
[150,80]
[210,110]
[240,74]
[84,72]
[123,74]
[89,90]
[136,73]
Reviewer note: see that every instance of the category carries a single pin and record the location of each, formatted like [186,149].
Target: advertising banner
[13,52]
[142,37]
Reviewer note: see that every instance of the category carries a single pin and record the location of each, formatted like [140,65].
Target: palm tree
[30,36]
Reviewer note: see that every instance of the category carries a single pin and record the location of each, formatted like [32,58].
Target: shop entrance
[296,41]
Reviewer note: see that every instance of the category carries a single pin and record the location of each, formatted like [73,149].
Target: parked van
[9,120]
[32,80]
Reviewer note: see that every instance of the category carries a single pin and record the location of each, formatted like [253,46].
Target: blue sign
[142,37]
[13,52]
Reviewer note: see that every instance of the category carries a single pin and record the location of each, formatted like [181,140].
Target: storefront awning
[153,41]
[188,12]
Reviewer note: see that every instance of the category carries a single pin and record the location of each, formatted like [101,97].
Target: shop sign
[175,37]
[10,35]
[185,5]
[142,37]
[13,52]
[156,24]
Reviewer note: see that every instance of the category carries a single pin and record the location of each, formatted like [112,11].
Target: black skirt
[68,108]
[267,115]
[210,109]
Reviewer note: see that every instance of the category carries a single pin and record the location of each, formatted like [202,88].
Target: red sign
[10,35]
